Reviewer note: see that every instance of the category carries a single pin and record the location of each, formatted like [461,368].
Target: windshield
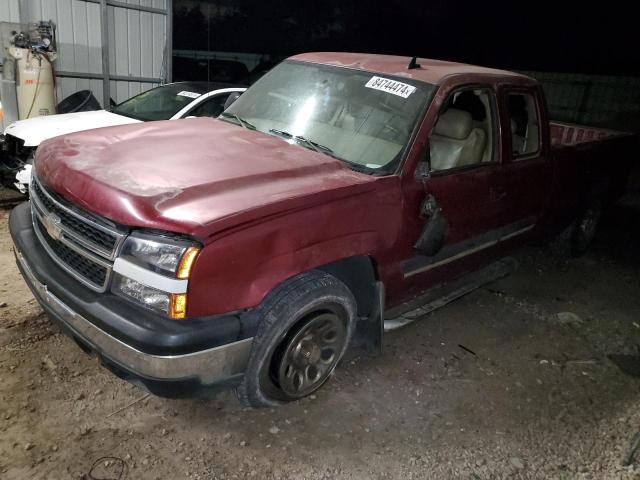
[362,118]
[159,103]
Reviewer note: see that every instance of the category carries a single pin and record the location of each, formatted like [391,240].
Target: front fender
[236,271]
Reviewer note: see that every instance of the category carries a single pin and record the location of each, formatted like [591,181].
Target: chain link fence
[598,100]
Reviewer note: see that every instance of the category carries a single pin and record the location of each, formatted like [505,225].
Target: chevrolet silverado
[341,195]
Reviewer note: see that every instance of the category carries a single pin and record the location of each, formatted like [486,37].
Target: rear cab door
[527,173]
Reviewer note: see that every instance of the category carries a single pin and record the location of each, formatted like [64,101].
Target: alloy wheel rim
[311,355]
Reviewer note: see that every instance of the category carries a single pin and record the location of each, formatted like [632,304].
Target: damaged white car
[167,102]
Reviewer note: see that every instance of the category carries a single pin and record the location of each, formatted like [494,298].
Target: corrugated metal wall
[9,11]
[137,41]
[78,50]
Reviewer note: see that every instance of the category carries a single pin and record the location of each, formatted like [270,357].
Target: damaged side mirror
[433,234]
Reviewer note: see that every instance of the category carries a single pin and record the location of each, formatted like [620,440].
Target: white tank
[34,83]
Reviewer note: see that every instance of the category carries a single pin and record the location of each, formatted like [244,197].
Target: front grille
[81,243]
[102,239]
[81,265]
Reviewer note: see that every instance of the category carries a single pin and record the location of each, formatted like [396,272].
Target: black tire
[586,227]
[574,240]
[301,308]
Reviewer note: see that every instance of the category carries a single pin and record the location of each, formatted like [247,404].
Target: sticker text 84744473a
[391,86]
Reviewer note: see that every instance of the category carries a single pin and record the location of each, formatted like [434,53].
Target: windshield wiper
[305,142]
[241,122]
[280,133]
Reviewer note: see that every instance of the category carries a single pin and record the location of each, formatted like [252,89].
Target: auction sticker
[184,93]
[390,86]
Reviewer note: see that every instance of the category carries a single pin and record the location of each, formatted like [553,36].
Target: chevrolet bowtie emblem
[52,225]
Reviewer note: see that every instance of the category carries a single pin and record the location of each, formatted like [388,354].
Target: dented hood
[193,176]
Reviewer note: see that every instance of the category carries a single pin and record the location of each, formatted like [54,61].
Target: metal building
[130,55]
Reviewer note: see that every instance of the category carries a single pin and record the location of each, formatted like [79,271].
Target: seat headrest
[455,124]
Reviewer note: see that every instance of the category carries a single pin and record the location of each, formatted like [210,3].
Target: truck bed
[565,134]
[588,162]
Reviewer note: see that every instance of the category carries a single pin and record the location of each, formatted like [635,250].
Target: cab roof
[430,71]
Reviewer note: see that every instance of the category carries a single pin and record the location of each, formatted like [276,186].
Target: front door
[466,187]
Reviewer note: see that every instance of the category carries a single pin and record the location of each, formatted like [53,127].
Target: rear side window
[525,124]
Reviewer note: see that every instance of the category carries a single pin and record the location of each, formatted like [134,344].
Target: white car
[167,102]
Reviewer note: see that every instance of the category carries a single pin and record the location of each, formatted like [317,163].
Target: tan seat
[532,142]
[454,142]
[517,141]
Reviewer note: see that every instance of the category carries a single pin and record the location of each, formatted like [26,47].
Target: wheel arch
[359,274]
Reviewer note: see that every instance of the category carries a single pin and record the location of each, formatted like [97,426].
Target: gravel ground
[512,381]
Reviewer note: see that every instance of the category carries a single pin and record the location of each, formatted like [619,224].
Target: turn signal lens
[184,268]
[178,306]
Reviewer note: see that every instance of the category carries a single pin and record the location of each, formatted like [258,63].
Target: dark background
[600,38]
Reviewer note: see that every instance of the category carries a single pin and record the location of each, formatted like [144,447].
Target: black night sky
[531,35]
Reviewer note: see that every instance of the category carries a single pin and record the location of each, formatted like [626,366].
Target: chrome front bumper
[209,367]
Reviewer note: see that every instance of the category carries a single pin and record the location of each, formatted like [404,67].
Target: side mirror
[233,96]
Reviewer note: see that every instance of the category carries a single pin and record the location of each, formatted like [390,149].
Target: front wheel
[305,327]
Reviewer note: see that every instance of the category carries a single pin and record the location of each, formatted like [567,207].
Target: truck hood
[193,176]
[38,129]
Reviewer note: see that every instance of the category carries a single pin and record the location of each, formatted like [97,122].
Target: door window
[464,132]
[524,124]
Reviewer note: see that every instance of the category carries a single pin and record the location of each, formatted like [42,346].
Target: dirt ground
[513,381]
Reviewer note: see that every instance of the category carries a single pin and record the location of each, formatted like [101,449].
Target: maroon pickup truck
[341,195]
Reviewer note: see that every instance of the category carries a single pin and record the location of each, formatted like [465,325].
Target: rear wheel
[305,327]
[585,228]
[577,237]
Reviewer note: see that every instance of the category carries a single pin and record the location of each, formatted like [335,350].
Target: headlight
[153,271]
[147,296]
[159,254]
